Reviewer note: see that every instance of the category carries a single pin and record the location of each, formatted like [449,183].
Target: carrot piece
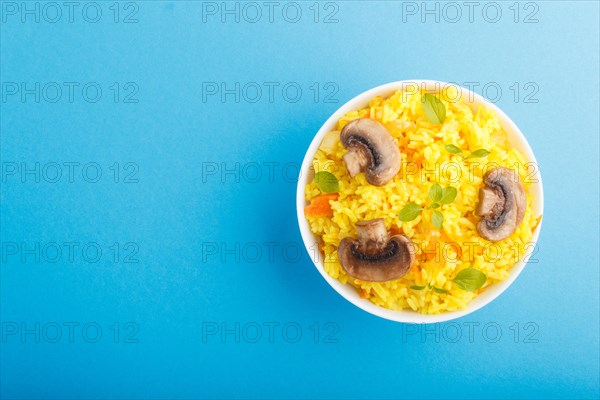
[320,207]
[537,223]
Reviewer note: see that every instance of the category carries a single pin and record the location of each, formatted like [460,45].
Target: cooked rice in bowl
[429,286]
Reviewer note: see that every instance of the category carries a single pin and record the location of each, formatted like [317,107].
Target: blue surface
[182,223]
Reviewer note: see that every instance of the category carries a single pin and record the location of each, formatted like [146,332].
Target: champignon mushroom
[375,256]
[372,149]
[502,204]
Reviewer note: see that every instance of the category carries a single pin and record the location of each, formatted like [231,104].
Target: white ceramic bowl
[516,139]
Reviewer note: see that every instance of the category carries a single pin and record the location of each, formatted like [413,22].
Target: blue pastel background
[181,220]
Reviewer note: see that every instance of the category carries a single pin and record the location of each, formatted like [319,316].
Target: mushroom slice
[372,149]
[375,256]
[502,204]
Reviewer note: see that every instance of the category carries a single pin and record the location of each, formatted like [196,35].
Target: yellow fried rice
[440,253]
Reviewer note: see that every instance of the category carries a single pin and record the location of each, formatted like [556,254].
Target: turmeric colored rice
[440,253]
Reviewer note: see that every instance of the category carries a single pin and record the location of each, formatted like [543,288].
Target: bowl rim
[410,316]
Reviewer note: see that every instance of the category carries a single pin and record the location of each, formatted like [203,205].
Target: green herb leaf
[437,219]
[435,192]
[434,109]
[417,287]
[470,279]
[450,148]
[448,195]
[479,153]
[435,205]
[439,290]
[409,212]
[327,182]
